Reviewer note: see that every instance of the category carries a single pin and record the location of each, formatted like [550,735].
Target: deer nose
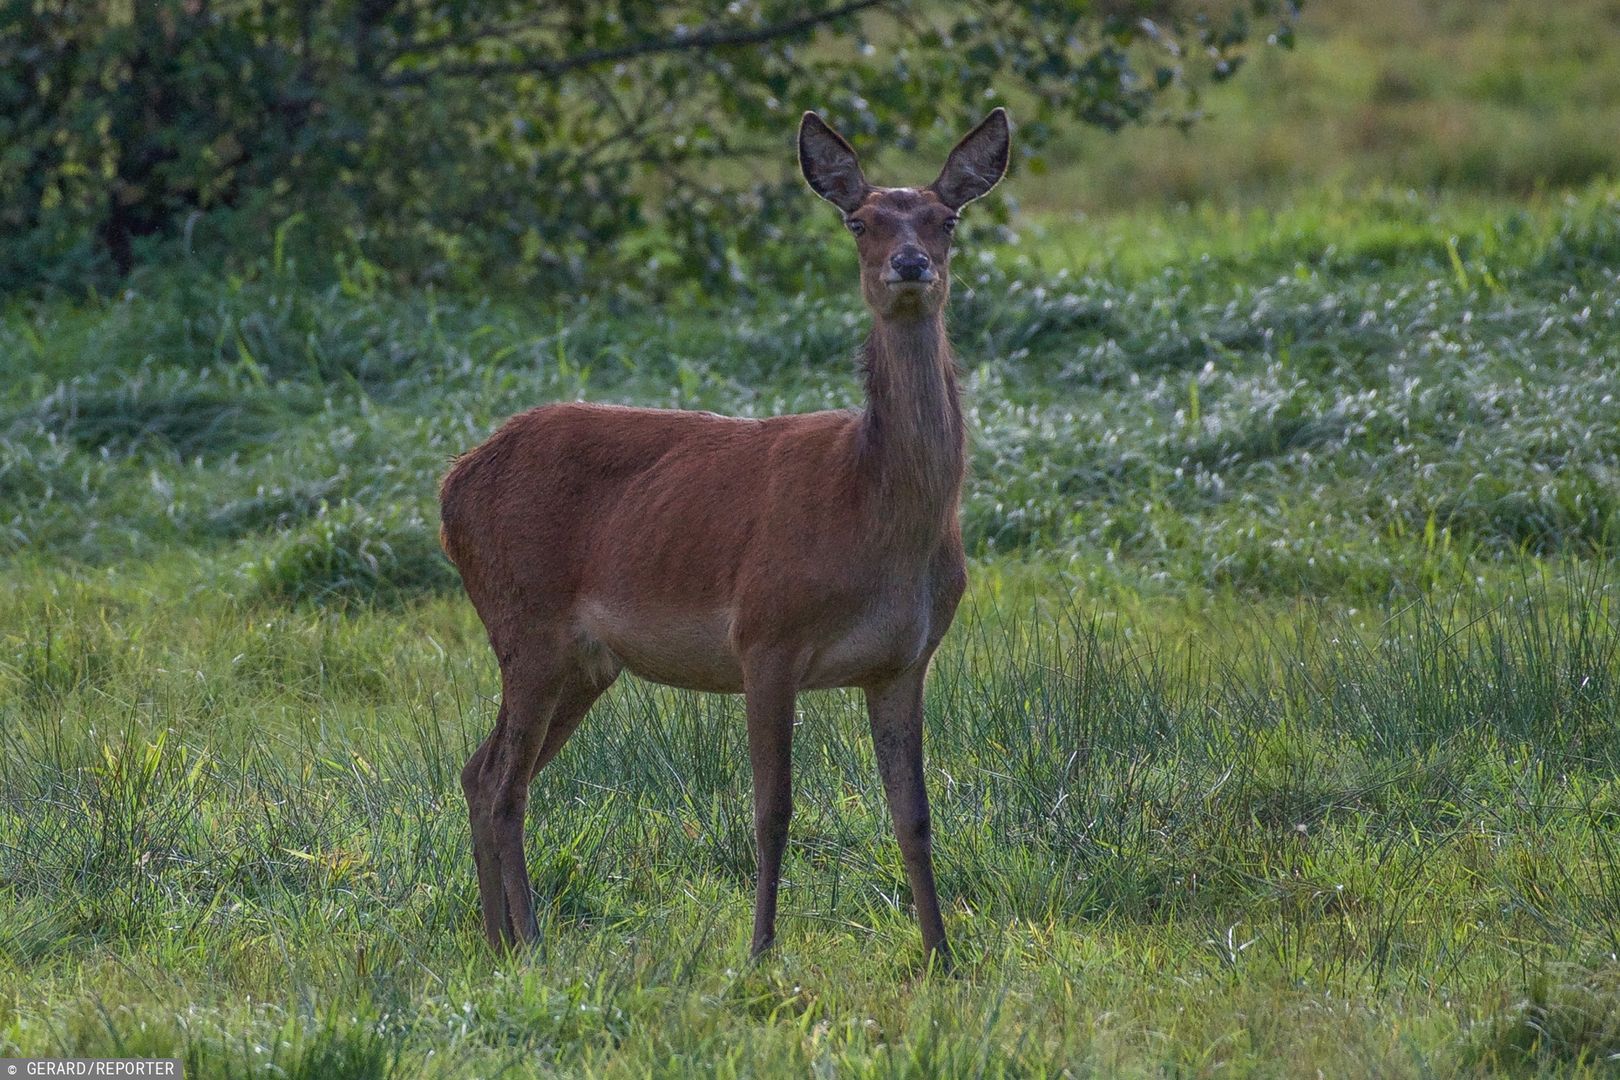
[911,264]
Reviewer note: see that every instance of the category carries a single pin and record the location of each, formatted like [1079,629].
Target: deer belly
[884,640]
[694,650]
[691,650]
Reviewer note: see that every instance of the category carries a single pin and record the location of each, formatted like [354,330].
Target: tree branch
[703,39]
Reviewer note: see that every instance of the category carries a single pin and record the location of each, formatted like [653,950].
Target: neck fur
[912,440]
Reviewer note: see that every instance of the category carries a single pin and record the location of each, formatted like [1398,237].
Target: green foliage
[120,120]
[459,141]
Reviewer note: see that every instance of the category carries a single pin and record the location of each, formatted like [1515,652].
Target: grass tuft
[348,555]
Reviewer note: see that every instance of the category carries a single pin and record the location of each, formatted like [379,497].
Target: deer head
[903,235]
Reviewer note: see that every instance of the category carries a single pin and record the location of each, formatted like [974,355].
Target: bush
[460,139]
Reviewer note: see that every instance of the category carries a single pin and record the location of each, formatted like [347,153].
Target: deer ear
[977,164]
[830,165]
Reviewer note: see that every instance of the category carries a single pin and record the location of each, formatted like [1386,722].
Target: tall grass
[1412,816]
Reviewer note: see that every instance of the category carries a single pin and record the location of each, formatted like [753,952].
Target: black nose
[910,263]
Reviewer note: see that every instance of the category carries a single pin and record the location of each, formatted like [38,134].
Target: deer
[732,555]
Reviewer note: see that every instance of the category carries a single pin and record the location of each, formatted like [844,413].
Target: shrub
[460,139]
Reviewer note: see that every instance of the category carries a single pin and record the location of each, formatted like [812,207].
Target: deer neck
[912,440]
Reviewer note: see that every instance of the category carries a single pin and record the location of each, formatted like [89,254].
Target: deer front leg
[769,691]
[896,711]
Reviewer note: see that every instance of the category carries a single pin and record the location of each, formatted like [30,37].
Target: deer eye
[950,224]
[855,225]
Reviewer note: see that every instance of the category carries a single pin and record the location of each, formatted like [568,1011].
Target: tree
[533,138]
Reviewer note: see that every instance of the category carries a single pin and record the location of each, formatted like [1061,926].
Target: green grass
[1277,733]
[1506,97]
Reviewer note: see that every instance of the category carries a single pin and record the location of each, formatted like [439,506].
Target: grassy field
[1277,733]
[1486,96]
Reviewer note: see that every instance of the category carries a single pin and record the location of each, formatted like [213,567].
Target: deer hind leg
[587,682]
[896,713]
[491,898]
[542,702]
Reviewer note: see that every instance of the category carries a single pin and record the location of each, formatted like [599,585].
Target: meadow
[1276,736]
[1277,732]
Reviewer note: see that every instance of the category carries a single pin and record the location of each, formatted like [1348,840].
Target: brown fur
[755,556]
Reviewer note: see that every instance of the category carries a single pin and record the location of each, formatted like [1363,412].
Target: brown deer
[760,557]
